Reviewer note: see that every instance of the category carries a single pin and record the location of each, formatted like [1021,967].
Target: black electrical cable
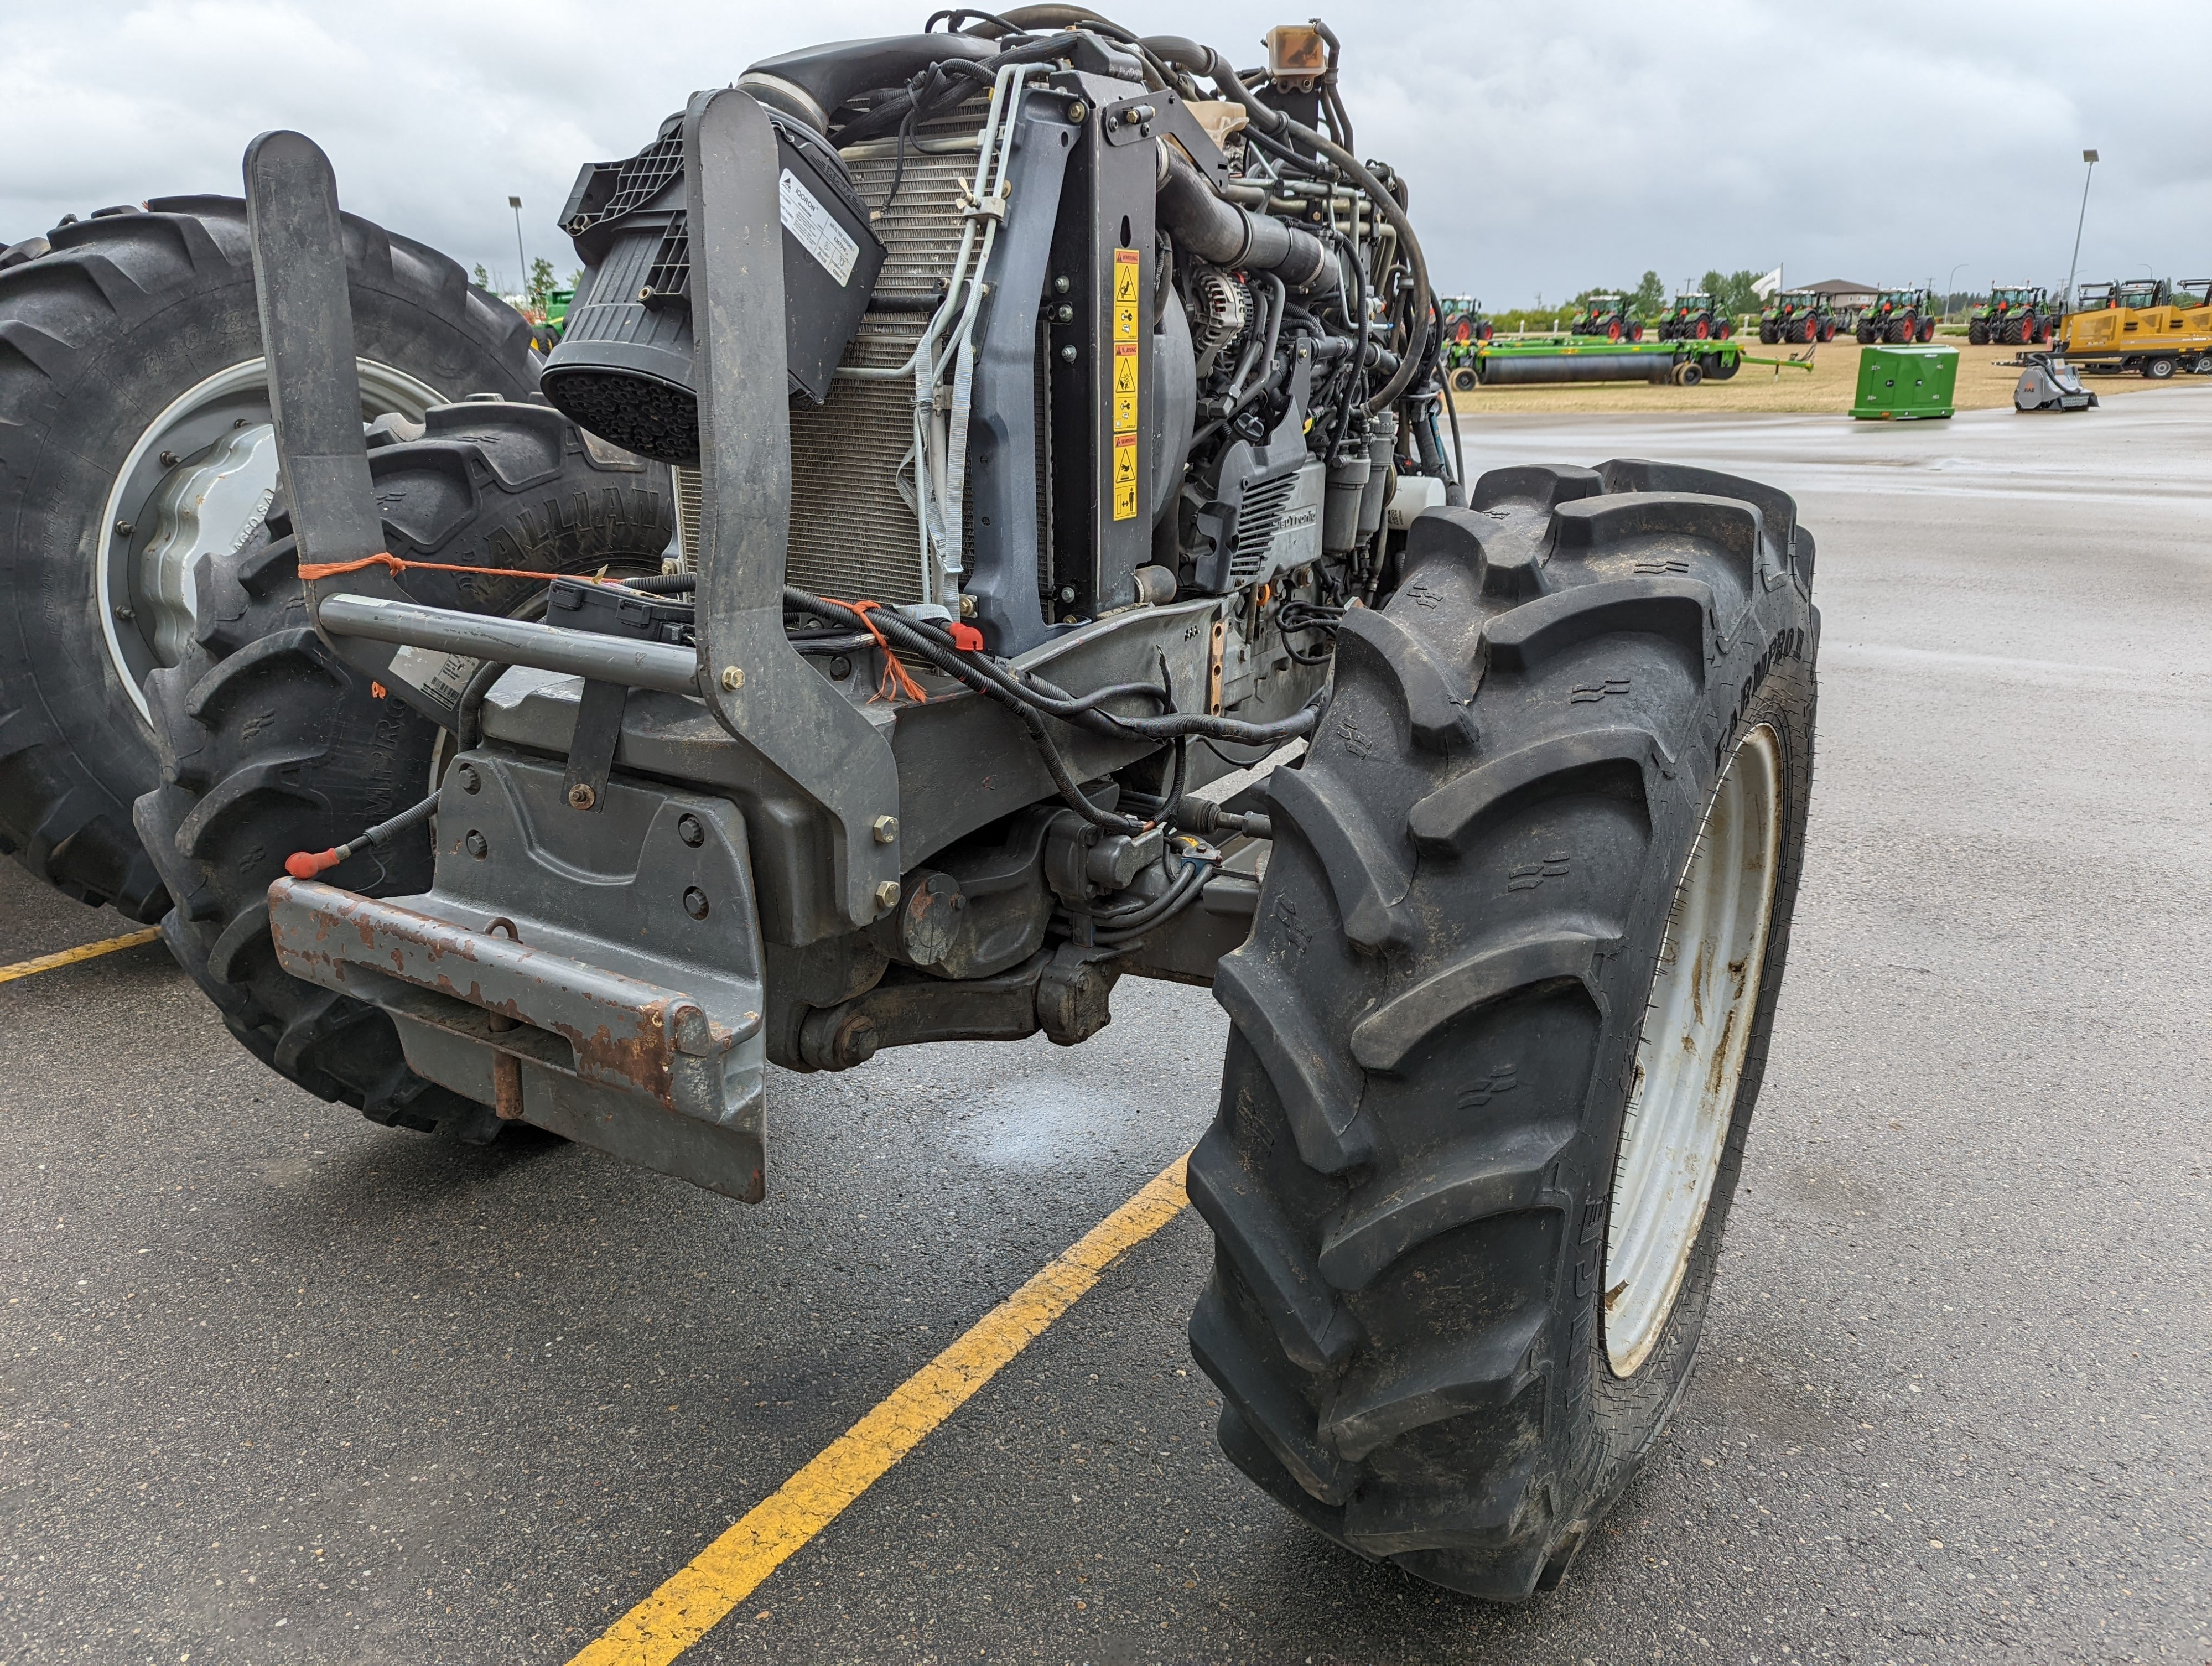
[987,675]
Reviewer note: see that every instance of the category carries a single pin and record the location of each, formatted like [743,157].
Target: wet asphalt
[282,1386]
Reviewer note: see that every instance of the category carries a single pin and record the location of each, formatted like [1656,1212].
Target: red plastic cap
[307,863]
[966,637]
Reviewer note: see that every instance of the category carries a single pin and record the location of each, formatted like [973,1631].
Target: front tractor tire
[1511,981]
[136,439]
[270,744]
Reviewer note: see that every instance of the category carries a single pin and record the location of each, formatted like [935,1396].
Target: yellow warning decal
[1125,477]
[1125,276]
[1128,289]
[1126,295]
[1125,387]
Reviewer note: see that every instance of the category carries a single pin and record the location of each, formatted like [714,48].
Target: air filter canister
[624,368]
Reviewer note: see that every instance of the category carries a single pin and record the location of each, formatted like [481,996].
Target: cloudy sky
[1549,147]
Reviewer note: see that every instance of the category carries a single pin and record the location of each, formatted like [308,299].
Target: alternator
[1223,313]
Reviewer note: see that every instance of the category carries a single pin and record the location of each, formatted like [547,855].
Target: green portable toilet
[1903,383]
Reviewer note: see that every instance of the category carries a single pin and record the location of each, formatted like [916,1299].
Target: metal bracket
[769,699]
[298,239]
[591,747]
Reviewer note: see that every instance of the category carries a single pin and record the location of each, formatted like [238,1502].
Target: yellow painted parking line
[47,963]
[693,1600]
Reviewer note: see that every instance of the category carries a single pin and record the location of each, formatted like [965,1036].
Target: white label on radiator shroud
[443,676]
[804,218]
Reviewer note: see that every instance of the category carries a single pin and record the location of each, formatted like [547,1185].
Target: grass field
[1983,385]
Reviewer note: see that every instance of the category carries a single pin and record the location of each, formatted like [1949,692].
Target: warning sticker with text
[1125,477]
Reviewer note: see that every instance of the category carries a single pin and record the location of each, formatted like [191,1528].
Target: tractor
[1797,315]
[1095,596]
[1897,316]
[1465,328]
[1606,316]
[1690,316]
[2014,314]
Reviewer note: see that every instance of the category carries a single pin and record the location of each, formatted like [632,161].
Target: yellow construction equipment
[2153,327]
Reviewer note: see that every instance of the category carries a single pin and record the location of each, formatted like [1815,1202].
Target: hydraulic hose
[1204,61]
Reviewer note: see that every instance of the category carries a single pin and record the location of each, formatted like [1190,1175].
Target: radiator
[852,535]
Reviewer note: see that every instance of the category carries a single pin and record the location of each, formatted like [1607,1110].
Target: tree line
[1646,298]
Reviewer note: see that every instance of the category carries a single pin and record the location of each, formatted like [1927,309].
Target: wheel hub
[1689,1061]
[197,482]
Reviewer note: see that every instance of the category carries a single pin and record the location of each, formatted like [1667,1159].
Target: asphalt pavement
[282,1386]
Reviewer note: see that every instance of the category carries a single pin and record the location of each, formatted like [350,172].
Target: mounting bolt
[967,607]
[887,894]
[1059,286]
[689,830]
[581,797]
[1067,354]
[1063,313]
[733,678]
[1067,593]
[1077,110]
[470,780]
[695,903]
[885,828]
[475,845]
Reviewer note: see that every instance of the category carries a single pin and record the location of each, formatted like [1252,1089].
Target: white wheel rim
[209,503]
[1689,1060]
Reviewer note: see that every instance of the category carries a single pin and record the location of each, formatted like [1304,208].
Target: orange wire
[312,570]
[896,680]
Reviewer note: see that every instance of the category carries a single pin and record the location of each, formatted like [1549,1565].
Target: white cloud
[1548,146]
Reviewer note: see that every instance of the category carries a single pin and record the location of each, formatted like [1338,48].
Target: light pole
[1946,291]
[2066,301]
[522,261]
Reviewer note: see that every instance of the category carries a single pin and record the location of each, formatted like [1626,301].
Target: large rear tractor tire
[1498,1034]
[135,439]
[270,744]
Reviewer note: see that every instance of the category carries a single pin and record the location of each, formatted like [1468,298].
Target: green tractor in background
[2013,314]
[1691,317]
[1898,316]
[545,332]
[1465,328]
[1797,315]
[1607,316]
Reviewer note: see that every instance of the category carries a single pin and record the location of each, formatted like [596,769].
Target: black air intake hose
[1229,236]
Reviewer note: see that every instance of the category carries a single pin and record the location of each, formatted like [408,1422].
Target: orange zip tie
[895,681]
